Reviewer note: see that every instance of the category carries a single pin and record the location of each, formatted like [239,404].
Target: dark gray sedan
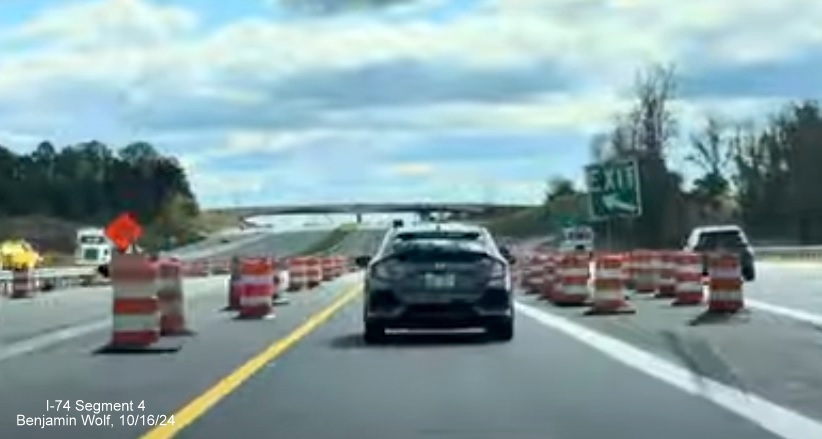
[437,276]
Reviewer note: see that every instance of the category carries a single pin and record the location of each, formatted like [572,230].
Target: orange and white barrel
[136,308]
[339,265]
[725,283]
[298,273]
[23,284]
[666,279]
[688,275]
[644,271]
[327,263]
[170,296]
[548,284]
[628,270]
[532,273]
[609,286]
[518,275]
[574,273]
[314,271]
[258,288]
[234,284]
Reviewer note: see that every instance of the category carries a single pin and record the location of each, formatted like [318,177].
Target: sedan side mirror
[362,261]
[506,253]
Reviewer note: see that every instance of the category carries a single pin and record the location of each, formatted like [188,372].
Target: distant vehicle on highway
[438,275]
[397,223]
[724,237]
[18,254]
[577,238]
[92,247]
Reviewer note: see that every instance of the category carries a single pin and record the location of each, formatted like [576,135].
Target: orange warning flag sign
[123,231]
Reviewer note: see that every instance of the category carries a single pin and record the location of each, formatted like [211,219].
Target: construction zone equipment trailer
[18,254]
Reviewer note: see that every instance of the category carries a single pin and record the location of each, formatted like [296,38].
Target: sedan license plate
[439,281]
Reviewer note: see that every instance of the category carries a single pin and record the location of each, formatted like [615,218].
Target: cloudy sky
[475,100]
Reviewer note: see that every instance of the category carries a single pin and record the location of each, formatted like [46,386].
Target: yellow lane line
[201,404]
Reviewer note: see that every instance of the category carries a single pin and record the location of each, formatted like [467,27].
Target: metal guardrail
[68,276]
[54,273]
[789,252]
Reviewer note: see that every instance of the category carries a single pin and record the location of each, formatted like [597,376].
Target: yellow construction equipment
[17,254]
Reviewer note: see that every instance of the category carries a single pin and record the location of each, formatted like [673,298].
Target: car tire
[374,333]
[502,331]
[748,274]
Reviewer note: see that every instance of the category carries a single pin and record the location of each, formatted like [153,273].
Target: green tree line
[763,176]
[91,183]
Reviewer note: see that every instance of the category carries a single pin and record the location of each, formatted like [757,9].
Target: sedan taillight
[387,269]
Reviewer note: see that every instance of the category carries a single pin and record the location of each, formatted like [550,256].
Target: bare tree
[624,136]
[712,148]
[654,123]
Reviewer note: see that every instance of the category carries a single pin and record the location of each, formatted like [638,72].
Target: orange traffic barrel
[22,283]
[328,267]
[170,296]
[314,270]
[609,287]
[725,283]
[258,288]
[574,273]
[548,281]
[666,275]
[136,308]
[643,270]
[298,274]
[688,276]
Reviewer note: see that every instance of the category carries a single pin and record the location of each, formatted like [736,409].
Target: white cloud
[585,34]
[137,62]
[78,25]
[409,169]
[599,43]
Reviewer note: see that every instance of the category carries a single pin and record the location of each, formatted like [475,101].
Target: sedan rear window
[731,239]
[437,235]
[438,241]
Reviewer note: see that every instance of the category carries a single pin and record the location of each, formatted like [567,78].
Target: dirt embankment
[44,233]
[55,238]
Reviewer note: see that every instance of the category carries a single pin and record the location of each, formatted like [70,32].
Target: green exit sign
[614,189]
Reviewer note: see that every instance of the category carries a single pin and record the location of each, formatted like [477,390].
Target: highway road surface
[55,316]
[306,373]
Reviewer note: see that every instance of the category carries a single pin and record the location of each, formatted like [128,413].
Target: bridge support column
[359,218]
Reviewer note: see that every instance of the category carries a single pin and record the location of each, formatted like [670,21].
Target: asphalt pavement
[364,241]
[305,373]
[769,354]
[53,316]
[541,385]
[163,379]
[792,284]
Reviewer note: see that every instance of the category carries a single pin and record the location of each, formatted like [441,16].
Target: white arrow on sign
[612,202]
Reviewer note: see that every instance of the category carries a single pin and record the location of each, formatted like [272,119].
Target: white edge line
[770,416]
[803,316]
[42,341]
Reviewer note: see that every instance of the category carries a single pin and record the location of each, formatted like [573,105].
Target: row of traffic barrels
[603,279]
[299,273]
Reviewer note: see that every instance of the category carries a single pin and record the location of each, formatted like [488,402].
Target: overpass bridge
[424,209]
